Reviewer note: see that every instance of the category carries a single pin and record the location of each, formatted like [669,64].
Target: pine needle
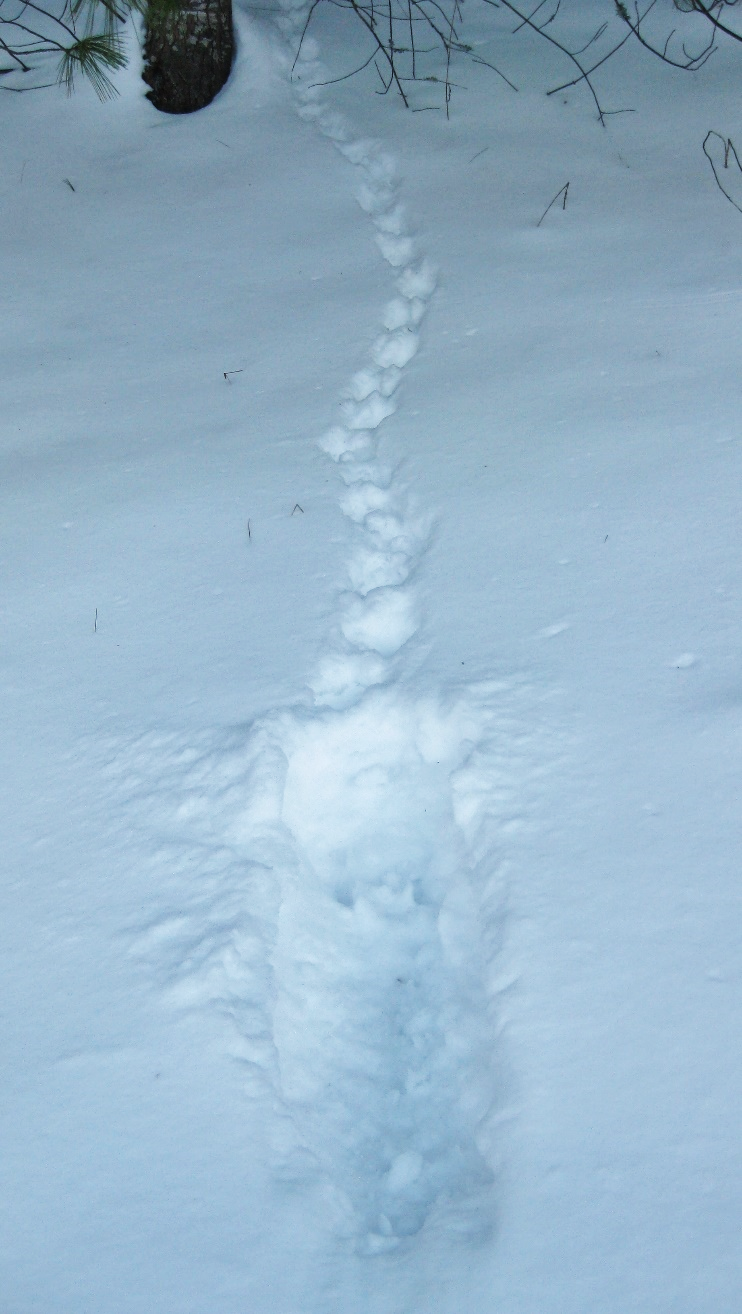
[92,56]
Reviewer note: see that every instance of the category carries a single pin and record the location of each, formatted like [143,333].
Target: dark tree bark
[188,51]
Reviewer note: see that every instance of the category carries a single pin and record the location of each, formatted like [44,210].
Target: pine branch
[92,56]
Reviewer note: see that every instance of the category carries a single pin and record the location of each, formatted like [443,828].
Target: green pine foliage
[93,56]
[84,35]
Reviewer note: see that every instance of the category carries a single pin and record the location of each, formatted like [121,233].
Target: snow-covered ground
[371,679]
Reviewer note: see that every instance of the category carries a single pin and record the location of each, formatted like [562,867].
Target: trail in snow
[332,880]
[379,613]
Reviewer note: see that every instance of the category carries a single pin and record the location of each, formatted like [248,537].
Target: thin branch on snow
[563,193]
[729,153]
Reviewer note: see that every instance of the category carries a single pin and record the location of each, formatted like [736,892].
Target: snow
[370,677]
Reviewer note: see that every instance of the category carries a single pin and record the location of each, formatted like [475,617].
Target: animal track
[330,883]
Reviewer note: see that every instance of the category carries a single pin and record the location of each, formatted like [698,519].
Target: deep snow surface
[370,679]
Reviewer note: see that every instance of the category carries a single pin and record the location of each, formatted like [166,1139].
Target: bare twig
[477,59]
[563,193]
[609,55]
[688,62]
[539,28]
[399,33]
[707,10]
[729,152]
[405,34]
[533,14]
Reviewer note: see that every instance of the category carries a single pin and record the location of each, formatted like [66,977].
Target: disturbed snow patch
[331,882]
[376,618]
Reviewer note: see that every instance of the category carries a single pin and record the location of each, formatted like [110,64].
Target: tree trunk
[188,50]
